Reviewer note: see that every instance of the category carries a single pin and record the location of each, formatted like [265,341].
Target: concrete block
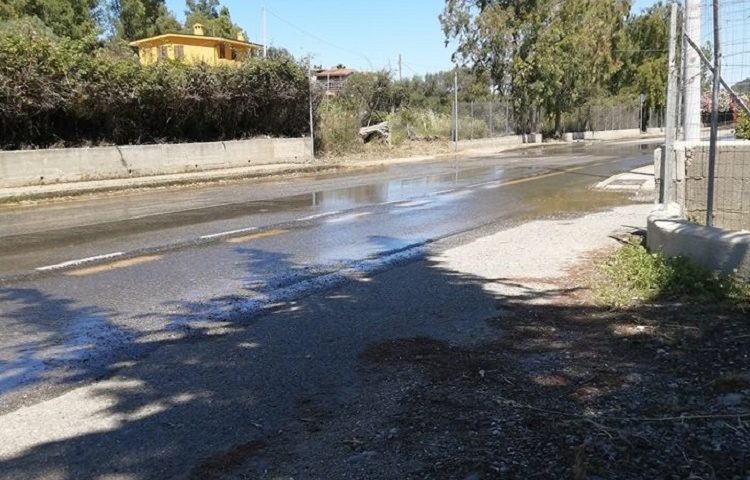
[715,248]
[534,138]
[567,137]
[39,167]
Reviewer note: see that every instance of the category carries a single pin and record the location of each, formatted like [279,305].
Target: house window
[235,55]
[222,51]
[163,52]
[179,52]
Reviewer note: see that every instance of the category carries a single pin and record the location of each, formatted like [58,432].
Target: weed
[633,275]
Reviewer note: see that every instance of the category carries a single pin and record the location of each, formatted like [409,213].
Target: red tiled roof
[334,72]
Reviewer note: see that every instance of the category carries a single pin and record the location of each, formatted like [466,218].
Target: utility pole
[714,116]
[672,94]
[692,81]
[312,126]
[399,67]
[455,109]
[264,29]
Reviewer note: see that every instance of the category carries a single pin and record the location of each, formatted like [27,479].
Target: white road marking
[227,233]
[80,261]
[318,215]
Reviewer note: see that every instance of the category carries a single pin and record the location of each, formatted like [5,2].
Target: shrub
[338,131]
[633,275]
[72,93]
[742,130]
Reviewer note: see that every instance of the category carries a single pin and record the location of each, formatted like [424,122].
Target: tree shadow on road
[419,371]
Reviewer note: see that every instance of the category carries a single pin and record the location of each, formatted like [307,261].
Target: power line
[321,40]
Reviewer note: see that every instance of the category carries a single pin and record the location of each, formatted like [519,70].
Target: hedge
[65,93]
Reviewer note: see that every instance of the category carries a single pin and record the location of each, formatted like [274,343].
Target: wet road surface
[90,283]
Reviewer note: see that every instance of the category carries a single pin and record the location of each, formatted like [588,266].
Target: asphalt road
[95,285]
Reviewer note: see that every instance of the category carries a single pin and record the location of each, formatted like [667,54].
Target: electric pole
[399,67]
[265,32]
[312,126]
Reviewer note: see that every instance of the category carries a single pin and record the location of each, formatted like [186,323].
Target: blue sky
[364,35]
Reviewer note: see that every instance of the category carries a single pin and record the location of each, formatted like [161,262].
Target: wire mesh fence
[725,84]
[489,119]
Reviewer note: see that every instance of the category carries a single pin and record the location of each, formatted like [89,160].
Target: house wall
[195,51]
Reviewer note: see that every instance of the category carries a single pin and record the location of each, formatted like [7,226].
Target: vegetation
[558,56]
[633,275]
[742,129]
[72,92]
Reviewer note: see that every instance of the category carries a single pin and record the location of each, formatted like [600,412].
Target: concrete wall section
[610,134]
[39,167]
[732,184]
[491,142]
[718,249]
[731,187]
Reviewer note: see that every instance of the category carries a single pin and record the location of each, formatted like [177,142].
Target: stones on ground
[732,399]
[362,456]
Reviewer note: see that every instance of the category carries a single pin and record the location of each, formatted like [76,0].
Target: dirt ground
[564,389]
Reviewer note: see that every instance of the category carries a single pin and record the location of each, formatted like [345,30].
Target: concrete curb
[726,251]
[60,190]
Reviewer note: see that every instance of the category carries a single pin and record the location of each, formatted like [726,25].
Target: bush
[71,93]
[633,275]
[419,124]
[338,131]
[742,130]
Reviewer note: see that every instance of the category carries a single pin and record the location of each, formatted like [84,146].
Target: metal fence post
[671,131]
[714,117]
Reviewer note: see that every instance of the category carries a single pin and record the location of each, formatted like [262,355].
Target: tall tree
[214,17]
[133,19]
[66,18]
[643,56]
[545,53]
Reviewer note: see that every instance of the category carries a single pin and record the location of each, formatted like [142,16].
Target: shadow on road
[415,372]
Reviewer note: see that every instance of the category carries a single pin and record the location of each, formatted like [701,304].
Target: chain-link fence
[711,91]
[483,119]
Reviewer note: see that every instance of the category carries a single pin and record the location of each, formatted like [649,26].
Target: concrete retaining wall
[608,134]
[40,167]
[690,182]
[491,142]
[718,249]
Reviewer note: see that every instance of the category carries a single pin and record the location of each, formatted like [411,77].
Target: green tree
[134,19]
[544,53]
[214,17]
[371,95]
[643,55]
[66,18]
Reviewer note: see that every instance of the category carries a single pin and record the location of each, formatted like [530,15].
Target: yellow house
[195,48]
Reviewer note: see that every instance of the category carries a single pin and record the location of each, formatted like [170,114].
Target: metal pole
[492,121]
[264,29]
[671,130]
[714,117]
[312,123]
[692,81]
[455,108]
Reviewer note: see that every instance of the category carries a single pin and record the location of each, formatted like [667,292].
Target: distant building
[333,79]
[195,48]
